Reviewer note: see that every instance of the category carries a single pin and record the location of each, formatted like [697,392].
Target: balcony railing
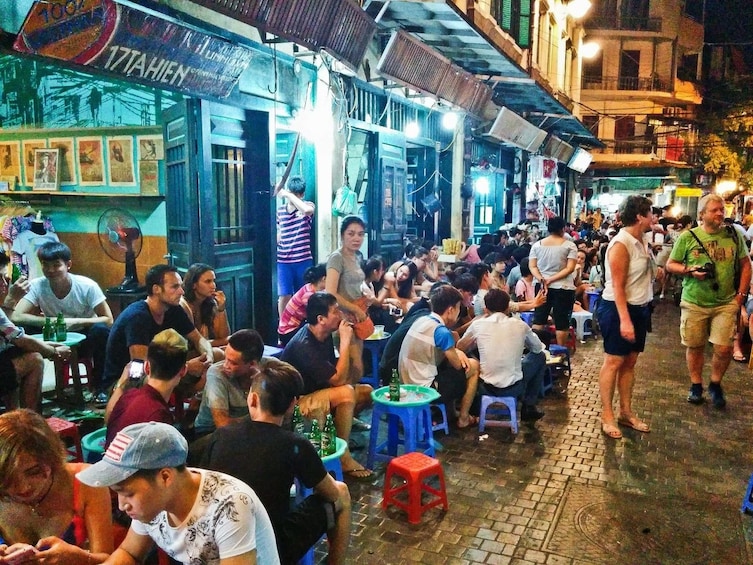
[650,84]
[630,23]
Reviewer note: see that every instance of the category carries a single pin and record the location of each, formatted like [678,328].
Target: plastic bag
[345,203]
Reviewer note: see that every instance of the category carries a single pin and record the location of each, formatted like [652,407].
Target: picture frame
[10,159]
[120,167]
[150,151]
[67,160]
[29,147]
[90,158]
[11,180]
[46,169]
[150,147]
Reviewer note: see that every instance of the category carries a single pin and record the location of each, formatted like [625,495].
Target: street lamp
[590,49]
[578,8]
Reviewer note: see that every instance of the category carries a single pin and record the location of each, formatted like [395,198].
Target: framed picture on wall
[67,160]
[29,147]
[46,169]
[120,169]
[91,167]
[10,159]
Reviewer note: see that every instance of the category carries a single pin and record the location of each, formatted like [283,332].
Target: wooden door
[219,204]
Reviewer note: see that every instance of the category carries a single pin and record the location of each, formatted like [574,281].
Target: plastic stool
[443,424]
[88,365]
[527,317]
[418,433]
[511,407]
[68,430]
[747,502]
[375,347]
[583,321]
[94,445]
[415,468]
[556,350]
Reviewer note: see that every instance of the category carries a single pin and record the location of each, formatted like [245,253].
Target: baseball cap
[151,445]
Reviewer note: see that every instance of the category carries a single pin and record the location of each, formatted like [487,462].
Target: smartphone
[136,372]
[396,311]
[19,555]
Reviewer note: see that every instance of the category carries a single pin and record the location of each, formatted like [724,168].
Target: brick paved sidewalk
[562,493]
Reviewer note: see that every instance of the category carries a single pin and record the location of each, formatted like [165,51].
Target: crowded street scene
[376,281]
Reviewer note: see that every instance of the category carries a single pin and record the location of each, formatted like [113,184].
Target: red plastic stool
[68,430]
[86,374]
[414,468]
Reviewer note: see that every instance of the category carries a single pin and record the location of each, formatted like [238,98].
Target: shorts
[560,302]
[8,375]
[290,276]
[450,382]
[303,526]
[609,323]
[699,324]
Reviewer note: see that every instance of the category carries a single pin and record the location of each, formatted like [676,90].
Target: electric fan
[120,238]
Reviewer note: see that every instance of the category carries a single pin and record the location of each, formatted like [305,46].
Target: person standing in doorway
[294,219]
[714,263]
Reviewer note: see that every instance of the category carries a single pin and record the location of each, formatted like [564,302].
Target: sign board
[130,43]
[688,192]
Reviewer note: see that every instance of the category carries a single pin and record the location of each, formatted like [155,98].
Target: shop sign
[688,193]
[133,44]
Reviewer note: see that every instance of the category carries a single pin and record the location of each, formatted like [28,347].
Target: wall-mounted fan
[120,238]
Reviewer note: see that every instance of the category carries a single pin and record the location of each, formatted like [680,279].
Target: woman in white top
[552,262]
[624,314]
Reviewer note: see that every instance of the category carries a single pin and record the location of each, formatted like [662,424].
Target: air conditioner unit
[557,149]
[517,131]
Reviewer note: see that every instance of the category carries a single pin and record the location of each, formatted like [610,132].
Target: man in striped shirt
[294,219]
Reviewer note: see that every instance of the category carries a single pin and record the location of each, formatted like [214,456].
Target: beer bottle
[61,328]
[315,436]
[15,273]
[299,426]
[329,437]
[395,386]
[48,332]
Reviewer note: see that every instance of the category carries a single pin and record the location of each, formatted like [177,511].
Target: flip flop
[739,357]
[354,473]
[634,422]
[472,421]
[611,431]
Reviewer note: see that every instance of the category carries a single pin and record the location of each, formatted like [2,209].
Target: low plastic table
[73,339]
[412,411]
[375,346]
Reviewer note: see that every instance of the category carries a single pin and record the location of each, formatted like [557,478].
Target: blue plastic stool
[527,317]
[510,408]
[418,433]
[747,502]
[583,324]
[443,424]
[557,350]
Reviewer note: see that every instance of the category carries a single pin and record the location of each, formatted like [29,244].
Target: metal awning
[440,24]
[637,175]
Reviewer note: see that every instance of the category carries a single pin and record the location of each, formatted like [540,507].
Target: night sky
[731,21]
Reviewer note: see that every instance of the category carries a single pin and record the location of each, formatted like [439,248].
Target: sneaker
[717,396]
[696,394]
[530,414]
[101,398]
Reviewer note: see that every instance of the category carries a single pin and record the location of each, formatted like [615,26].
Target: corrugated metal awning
[439,24]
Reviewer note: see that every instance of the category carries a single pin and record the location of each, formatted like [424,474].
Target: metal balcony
[647,84]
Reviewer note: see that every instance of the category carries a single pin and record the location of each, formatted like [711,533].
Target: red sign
[134,44]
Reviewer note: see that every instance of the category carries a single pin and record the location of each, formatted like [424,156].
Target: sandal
[634,422]
[611,431]
[472,421]
[739,356]
[359,473]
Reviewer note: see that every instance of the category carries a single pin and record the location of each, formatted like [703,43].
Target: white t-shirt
[500,341]
[227,519]
[84,296]
[26,244]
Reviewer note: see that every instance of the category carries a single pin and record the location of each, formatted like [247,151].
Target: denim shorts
[609,323]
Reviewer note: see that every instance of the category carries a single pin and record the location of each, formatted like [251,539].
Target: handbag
[365,328]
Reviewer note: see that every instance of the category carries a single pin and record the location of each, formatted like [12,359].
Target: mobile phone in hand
[136,372]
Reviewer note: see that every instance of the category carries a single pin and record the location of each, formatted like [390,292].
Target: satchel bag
[365,328]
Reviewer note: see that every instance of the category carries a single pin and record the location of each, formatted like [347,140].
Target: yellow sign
[689,192]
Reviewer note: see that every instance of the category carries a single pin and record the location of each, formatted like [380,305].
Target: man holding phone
[134,403]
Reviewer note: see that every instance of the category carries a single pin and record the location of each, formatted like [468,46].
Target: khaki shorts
[700,324]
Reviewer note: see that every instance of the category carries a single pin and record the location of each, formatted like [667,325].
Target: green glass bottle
[329,437]
[315,436]
[299,425]
[15,273]
[61,328]
[48,332]
[395,386]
